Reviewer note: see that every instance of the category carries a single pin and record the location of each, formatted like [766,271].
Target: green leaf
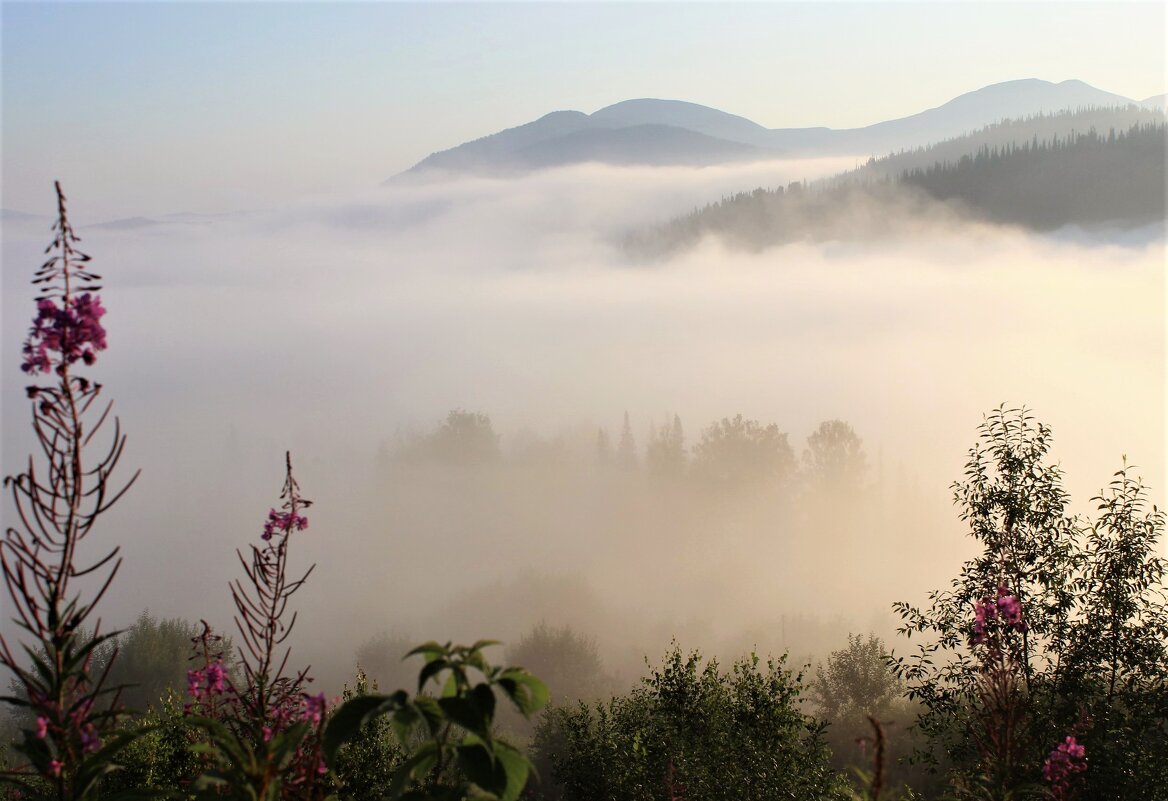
[414,769]
[430,650]
[432,668]
[516,768]
[346,722]
[466,713]
[527,692]
[477,762]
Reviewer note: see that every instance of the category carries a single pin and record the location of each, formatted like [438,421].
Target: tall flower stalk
[58,499]
[265,732]
[261,605]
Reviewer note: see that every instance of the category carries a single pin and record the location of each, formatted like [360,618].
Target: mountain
[679,114]
[658,132]
[978,109]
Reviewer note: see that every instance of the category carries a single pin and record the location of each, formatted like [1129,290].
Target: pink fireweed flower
[1006,606]
[90,741]
[215,677]
[194,683]
[71,331]
[314,707]
[1064,761]
[55,767]
[985,611]
[1010,608]
[283,523]
[42,728]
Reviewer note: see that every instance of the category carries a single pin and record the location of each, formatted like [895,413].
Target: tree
[603,449]
[856,681]
[856,685]
[738,452]
[569,663]
[153,657]
[665,453]
[626,451]
[1083,654]
[462,438]
[834,458]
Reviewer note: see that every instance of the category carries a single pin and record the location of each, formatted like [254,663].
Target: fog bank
[335,326]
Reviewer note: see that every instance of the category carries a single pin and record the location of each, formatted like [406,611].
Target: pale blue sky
[217,106]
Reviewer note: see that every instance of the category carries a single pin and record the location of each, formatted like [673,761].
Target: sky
[204,107]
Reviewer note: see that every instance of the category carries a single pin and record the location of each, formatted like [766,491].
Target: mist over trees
[1087,176]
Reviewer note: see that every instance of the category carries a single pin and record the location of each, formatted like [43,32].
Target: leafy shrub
[363,768]
[153,657]
[162,760]
[451,749]
[690,731]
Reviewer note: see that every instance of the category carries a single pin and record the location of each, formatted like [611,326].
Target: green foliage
[161,760]
[364,766]
[1092,657]
[691,731]
[452,751]
[152,657]
[857,685]
[856,682]
[247,765]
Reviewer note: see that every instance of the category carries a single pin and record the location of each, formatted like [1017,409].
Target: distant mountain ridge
[673,132]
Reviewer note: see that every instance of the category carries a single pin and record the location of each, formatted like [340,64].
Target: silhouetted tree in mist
[626,451]
[665,453]
[462,438]
[603,448]
[834,458]
[738,452]
[568,662]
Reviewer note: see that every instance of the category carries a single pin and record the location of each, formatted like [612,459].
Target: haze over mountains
[672,132]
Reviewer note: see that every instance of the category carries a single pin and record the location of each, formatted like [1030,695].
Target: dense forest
[1084,178]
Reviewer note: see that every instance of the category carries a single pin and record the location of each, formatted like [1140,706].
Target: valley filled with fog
[344,328]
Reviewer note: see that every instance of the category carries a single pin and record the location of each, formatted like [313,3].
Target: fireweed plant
[264,735]
[58,499]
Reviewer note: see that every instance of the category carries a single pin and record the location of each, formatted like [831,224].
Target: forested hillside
[1083,179]
[1092,179]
